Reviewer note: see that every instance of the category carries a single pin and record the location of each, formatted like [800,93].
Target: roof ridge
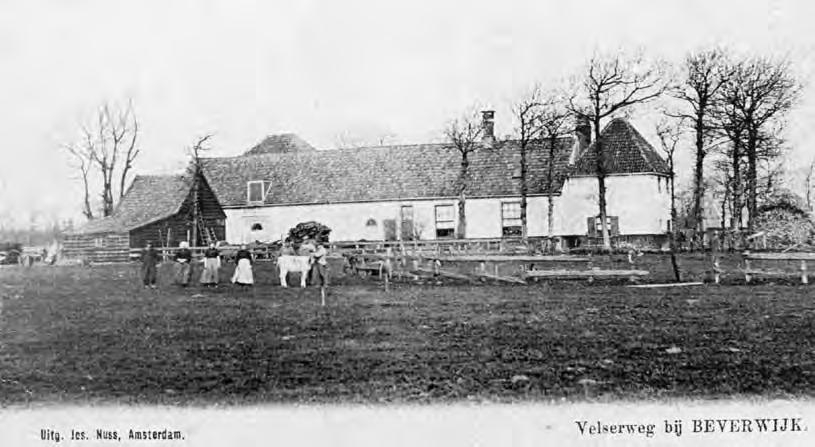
[643,145]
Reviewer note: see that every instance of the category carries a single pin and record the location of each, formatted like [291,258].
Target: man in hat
[149,259]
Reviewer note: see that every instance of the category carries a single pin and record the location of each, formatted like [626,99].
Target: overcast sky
[326,70]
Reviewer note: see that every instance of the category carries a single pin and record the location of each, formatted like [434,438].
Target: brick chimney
[488,127]
[582,133]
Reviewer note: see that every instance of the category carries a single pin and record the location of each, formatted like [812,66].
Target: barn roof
[382,173]
[283,143]
[149,198]
[627,152]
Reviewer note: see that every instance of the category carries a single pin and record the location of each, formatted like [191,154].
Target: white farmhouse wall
[642,203]
[348,221]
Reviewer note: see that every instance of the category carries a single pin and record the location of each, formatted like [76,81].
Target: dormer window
[255,194]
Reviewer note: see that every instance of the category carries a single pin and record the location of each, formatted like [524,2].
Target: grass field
[89,335]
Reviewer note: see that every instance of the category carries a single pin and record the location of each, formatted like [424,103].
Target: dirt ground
[89,335]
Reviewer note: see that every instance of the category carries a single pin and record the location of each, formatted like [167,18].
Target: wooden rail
[803,257]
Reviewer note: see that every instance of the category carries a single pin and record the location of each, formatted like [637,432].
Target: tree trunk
[601,183]
[752,179]
[524,192]
[698,174]
[107,197]
[195,228]
[672,230]
[462,215]
[549,181]
[735,218]
[87,211]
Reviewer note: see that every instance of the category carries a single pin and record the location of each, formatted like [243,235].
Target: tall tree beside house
[759,94]
[194,170]
[809,184]
[105,155]
[729,166]
[554,118]
[526,113]
[465,135]
[669,137]
[703,75]
[611,84]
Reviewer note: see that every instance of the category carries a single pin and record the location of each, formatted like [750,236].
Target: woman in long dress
[243,270]
[212,262]
[183,266]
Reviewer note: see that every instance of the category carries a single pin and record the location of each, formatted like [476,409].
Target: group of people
[243,275]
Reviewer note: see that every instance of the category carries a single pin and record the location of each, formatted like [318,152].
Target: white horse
[290,263]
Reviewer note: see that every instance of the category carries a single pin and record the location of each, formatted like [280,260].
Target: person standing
[243,269]
[319,268]
[183,267]
[149,259]
[212,262]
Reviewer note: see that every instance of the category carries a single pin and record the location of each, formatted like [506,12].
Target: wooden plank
[675,284]
[446,273]
[799,256]
[768,272]
[583,273]
[510,258]
[509,279]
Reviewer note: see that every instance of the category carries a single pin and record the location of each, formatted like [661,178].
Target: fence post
[747,275]
[716,270]
[632,278]
[804,278]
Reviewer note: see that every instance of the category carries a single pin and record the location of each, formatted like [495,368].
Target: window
[370,222]
[257,226]
[255,192]
[98,242]
[445,225]
[598,227]
[406,214]
[510,218]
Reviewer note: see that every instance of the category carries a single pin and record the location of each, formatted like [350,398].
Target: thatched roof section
[149,198]
[626,152]
[383,173]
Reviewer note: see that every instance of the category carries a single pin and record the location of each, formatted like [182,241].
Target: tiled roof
[382,173]
[149,198]
[626,152]
[283,143]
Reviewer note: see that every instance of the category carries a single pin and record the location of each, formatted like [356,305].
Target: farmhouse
[156,208]
[409,192]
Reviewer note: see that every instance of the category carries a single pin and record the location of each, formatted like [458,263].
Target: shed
[156,208]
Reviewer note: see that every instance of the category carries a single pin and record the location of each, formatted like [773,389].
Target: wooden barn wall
[179,224]
[97,247]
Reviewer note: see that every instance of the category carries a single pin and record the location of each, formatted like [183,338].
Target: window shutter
[615,226]
[592,229]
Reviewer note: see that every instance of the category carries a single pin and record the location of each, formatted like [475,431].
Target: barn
[156,208]
[409,192]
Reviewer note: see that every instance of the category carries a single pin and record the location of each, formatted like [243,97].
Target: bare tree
[611,84]
[464,134]
[808,184]
[526,113]
[195,170]
[705,73]
[84,161]
[760,93]
[109,148]
[669,137]
[554,118]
